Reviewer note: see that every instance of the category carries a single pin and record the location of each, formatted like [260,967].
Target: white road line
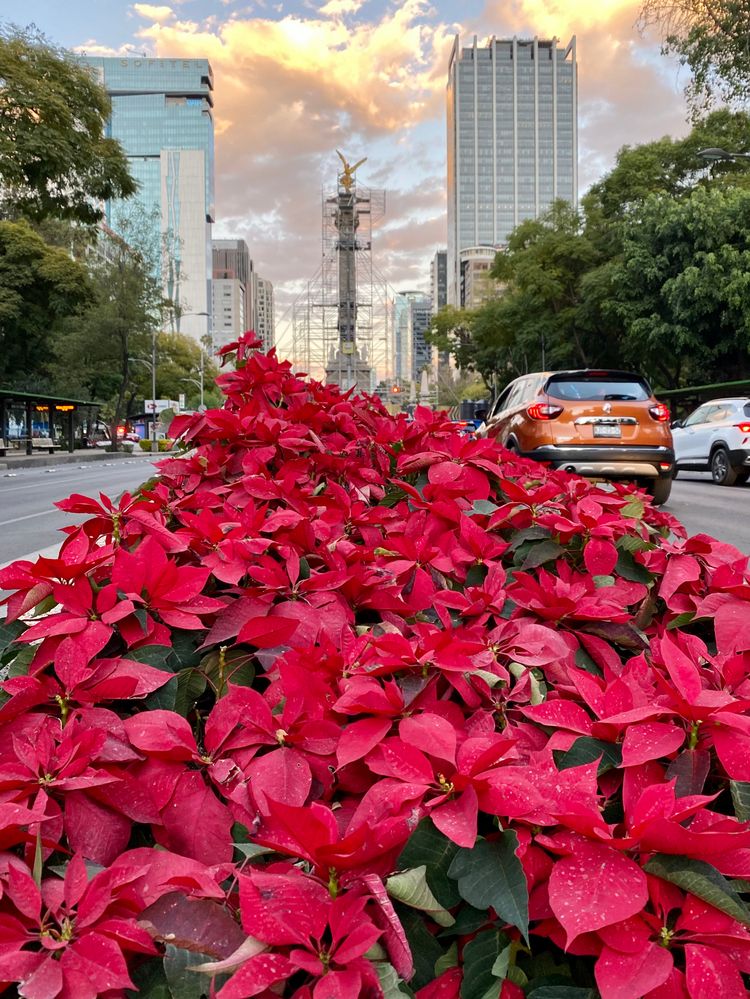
[28,516]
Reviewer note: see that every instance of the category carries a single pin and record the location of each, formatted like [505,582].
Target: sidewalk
[23,460]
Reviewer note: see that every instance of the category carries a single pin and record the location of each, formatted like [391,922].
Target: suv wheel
[659,490]
[721,471]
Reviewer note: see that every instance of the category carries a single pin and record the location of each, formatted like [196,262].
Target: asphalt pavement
[704,508]
[29,521]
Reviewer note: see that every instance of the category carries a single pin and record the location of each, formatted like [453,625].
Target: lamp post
[152,366]
[713,154]
[198,383]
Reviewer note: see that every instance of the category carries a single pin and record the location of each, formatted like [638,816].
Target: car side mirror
[677,424]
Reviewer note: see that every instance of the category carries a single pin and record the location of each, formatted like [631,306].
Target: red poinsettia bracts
[347,706]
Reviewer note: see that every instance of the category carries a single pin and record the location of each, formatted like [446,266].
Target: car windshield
[603,389]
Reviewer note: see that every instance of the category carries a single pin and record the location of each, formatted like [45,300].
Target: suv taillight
[543,411]
[744,427]
[660,412]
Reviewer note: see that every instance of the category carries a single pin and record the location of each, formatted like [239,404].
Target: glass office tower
[512,144]
[162,114]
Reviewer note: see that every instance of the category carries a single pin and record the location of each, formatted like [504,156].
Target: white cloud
[159,13]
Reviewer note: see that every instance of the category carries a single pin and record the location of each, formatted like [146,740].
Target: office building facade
[162,114]
[512,115]
[242,299]
[439,280]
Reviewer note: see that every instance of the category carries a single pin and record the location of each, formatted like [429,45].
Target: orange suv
[601,424]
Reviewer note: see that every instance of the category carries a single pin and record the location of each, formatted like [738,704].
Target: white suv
[715,437]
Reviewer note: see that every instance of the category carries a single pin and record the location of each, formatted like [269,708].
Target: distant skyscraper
[439,280]
[231,289]
[242,299]
[162,115]
[512,147]
[412,316]
[263,310]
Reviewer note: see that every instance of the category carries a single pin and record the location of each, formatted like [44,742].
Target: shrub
[350,706]
[164,444]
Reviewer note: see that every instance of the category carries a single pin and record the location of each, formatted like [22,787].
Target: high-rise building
[231,290]
[242,299]
[439,280]
[512,147]
[412,318]
[162,115]
[263,310]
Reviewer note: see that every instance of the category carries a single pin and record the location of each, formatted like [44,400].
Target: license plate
[607,430]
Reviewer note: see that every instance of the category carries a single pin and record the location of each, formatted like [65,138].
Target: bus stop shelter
[31,420]
[687,399]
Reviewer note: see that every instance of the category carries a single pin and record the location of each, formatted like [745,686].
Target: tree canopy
[55,157]
[711,37]
[41,286]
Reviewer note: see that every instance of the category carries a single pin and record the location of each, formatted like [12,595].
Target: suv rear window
[590,389]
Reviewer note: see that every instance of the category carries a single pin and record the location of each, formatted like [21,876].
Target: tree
[55,157]
[543,271]
[711,37]
[668,166]
[683,287]
[127,310]
[178,367]
[41,287]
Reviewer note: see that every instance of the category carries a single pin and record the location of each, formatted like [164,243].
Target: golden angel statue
[346,178]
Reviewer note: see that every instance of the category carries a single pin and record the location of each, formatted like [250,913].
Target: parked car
[601,424]
[716,438]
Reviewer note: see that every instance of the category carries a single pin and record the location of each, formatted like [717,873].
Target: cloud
[292,88]
[157,13]
[92,48]
[335,8]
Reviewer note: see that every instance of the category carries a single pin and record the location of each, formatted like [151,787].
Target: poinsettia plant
[344,705]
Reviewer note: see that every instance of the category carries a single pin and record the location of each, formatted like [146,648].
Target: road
[28,519]
[721,511]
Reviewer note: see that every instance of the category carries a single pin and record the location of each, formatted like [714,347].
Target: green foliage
[55,157]
[40,287]
[683,290]
[712,40]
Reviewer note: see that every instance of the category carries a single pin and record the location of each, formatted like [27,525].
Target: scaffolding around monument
[320,346]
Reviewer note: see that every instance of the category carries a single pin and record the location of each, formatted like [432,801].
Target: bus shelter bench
[45,444]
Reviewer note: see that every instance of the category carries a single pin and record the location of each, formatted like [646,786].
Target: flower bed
[348,706]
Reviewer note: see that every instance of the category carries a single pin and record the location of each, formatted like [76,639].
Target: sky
[295,81]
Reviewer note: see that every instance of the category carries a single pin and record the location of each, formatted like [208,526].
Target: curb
[42,461]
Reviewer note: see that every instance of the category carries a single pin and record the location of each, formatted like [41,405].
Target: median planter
[347,705]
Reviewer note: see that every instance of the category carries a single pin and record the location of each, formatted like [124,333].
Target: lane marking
[29,516]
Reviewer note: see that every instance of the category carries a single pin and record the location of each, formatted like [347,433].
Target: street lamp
[152,365]
[196,382]
[713,154]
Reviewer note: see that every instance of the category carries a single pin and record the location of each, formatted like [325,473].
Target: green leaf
[476,575]
[490,874]
[164,698]
[468,920]
[190,685]
[601,582]
[545,551]
[632,543]
[634,508]
[425,948]
[183,651]
[484,507]
[535,533]
[152,655]
[741,799]
[9,633]
[627,567]
[150,981]
[411,888]
[390,983]
[447,961]
[586,750]
[184,984]
[681,620]
[703,881]
[501,965]
[479,959]
[428,846]
[584,661]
